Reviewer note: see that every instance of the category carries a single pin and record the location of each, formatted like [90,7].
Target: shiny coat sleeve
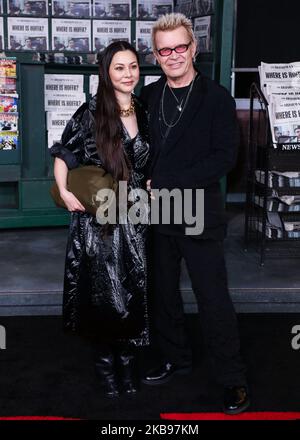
[71,146]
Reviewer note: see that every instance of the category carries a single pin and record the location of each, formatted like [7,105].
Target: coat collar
[142,118]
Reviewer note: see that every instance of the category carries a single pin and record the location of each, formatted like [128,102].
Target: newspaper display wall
[153,9]
[107,31]
[143,41]
[1,34]
[8,105]
[115,9]
[71,35]
[202,30]
[33,8]
[30,34]
[280,84]
[72,8]
[63,95]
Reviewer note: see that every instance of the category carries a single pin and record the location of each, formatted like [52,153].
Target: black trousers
[206,267]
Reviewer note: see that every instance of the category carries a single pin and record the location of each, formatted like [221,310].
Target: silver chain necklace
[179,106]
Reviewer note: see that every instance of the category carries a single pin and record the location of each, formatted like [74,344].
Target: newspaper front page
[144,43]
[107,31]
[71,35]
[71,8]
[153,9]
[112,9]
[280,84]
[27,34]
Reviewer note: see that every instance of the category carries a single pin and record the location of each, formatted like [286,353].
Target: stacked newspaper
[278,228]
[280,84]
[63,95]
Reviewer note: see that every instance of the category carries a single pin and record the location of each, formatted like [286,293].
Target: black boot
[128,370]
[105,370]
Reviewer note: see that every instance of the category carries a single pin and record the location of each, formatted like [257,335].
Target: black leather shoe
[236,400]
[165,373]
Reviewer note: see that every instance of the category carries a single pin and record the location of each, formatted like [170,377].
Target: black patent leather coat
[105,283]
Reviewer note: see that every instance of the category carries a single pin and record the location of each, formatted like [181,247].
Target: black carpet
[45,372]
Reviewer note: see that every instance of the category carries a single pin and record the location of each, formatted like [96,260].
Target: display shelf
[262,224]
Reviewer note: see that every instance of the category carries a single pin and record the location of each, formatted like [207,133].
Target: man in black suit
[193,134]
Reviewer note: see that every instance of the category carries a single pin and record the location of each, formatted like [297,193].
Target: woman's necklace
[124,113]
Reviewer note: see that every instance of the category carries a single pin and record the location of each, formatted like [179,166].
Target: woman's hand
[71,202]
[148,183]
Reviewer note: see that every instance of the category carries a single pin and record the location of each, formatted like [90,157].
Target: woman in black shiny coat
[105,282]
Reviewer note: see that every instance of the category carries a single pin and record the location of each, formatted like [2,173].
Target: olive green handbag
[85,182]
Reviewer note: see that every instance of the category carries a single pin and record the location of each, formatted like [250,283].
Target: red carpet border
[262,415]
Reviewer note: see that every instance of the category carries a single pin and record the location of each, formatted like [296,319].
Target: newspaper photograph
[1,34]
[93,87]
[8,103]
[143,42]
[30,34]
[71,8]
[8,122]
[153,9]
[118,9]
[35,8]
[9,141]
[107,31]
[71,35]
[63,83]
[203,7]
[58,120]
[202,29]
[56,101]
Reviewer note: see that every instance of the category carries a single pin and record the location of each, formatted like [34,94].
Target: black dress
[105,284]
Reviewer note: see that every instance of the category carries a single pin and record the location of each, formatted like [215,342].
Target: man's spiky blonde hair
[172,21]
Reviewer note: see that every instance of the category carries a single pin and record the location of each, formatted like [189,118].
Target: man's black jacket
[199,151]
